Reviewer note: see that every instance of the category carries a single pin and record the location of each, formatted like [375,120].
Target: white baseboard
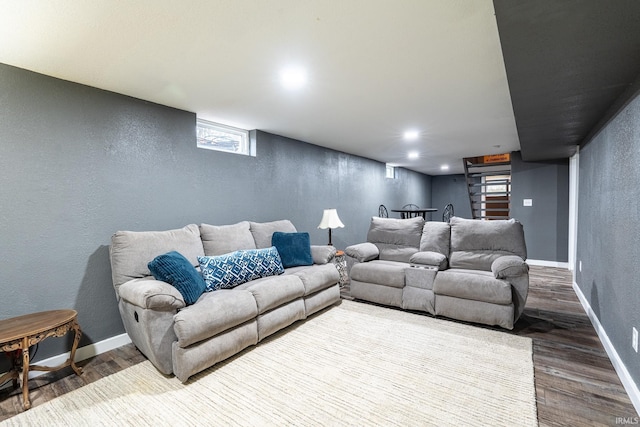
[629,385]
[543,263]
[83,353]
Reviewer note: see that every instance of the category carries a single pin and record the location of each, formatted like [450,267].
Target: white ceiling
[375,67]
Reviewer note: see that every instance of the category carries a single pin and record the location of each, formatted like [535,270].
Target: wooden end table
[19,333]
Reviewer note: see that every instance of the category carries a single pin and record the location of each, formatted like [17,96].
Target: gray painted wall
[608,230]
[78,163]
[450,189]
[546,223]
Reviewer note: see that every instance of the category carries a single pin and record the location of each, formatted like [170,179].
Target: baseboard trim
[82,353]
[543,263]
[629,385]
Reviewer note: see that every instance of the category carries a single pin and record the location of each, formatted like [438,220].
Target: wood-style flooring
[576,384]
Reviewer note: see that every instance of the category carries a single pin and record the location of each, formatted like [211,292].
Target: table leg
[76,341]
[26,403]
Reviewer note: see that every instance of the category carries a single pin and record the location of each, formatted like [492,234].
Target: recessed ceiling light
[411,135]
[293,78]
[444,167]
[413,154]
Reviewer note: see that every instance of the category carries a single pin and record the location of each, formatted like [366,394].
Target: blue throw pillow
[294,248]
[229,270]
[176,270]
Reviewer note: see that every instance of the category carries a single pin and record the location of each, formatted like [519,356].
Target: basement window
[215,136]
[390,172]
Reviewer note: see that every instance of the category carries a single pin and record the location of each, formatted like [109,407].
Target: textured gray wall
[78,163]
[609,230]
[546,223]
[450,189]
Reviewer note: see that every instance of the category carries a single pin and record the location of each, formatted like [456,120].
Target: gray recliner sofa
[185,339]
[470,270]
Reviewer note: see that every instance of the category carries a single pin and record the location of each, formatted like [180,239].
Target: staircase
[489,183]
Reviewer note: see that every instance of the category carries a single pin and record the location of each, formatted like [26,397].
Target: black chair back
[447,213]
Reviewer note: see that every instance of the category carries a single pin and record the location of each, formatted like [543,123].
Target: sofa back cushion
[222,239]
[131,251]
[263,231]
[436,237]
[396,239]
[475,244]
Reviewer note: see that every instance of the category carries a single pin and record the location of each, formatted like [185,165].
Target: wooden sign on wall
[496,158]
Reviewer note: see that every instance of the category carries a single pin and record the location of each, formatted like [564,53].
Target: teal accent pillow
[232,269]
[294,248]
[176,270]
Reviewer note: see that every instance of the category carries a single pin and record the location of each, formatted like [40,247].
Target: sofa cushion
[229,270]
[262,231]
[272,292]
[472,285]
[131,251]
[381,272]
[363,252]
[294,248]
[509,266]
[177,271]
[475,244]
[436,237]
[316,277]
[223,239]
[429,258]
[396,239]
[215,312]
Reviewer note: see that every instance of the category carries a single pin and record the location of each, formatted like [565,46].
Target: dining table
[412,213]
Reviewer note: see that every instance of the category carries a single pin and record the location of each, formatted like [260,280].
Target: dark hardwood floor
[576,384]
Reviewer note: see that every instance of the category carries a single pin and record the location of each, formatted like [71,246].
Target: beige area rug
[354,364]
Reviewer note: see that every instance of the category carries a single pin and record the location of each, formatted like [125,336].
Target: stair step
[491,173]
[491,209]
[489,202]
[484,193]
[484,184]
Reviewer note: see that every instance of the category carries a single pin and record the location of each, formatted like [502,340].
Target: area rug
[353,364]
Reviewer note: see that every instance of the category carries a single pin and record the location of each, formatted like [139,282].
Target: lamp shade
[330,219]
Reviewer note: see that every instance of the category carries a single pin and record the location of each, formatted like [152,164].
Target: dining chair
[382,211]
[447,213]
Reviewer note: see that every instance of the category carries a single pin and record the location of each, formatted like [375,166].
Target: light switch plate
[527,202]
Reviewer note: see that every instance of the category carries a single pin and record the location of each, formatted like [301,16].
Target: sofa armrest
[431,258]
[152,294]
[509,266]
[322,254]
[363,252]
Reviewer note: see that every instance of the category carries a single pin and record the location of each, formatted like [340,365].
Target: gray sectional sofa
[470,270]
[185,339]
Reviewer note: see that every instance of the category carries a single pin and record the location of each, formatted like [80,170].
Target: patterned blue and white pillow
[232,269]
